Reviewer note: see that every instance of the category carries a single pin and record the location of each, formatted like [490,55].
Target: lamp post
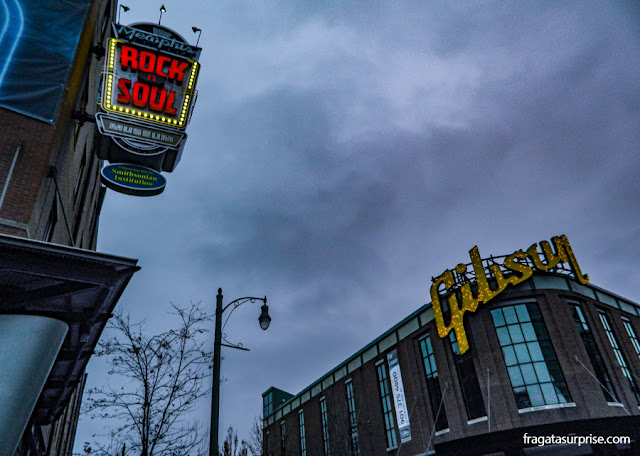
[264,319]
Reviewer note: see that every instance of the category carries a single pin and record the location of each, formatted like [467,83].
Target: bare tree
[158,379]
[230,447]
[255,441]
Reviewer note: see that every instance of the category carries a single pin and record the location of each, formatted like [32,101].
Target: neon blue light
[14,18]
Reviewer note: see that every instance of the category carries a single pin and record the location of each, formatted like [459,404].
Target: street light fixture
[264,319]
[198,31]
[162,10]
[123,8]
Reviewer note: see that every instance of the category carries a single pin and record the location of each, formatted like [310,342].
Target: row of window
[530,360]
[352,428]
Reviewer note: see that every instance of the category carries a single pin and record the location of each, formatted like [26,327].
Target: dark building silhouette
[56,292]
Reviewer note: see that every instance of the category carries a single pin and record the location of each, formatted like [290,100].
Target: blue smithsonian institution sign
[133,179]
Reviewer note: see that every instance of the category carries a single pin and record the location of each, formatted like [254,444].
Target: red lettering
[160,65]
[129,57]
[177,69]
[124,96]
[170,109]
[140,94]
[147,62]
[158,97]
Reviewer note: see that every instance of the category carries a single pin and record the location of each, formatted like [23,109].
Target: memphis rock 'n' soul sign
[513,271]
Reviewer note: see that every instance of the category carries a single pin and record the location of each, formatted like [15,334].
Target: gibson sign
[515,271]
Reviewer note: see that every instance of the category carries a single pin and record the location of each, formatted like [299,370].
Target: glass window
[267,404]
[283,439]
[303,442]
[47,236]
[387,409]
[621,361]
[353,421]
[531,363]
[83,164]
[632,335]
[325,427]
[471,394]
[433,385]
[599,368]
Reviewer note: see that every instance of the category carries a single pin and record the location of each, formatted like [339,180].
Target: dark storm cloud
[307,212]
[341,155]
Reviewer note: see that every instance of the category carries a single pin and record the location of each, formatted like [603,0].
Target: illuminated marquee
[148,85]
[513,271]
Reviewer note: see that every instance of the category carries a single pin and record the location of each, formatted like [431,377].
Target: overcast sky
[343,153]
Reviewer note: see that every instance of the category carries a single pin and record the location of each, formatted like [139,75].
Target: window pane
[498,318]
[503,336]
[523,314]
[522,353]
[468,380]
[516,334]
[325,427]
[522,398]
[515,376]
[433,385]
[562,392]
[385,399]
[529,333]
[534,351]
[535,395]
[549,393]
[619,356]
[534,372]
[509,356]
[510,315]
[542,372]
[529,374]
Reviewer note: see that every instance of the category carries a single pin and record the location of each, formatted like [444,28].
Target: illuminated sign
[147,84]
[133,179]
[515,269]
[138,131]
[145,36]
[147,96]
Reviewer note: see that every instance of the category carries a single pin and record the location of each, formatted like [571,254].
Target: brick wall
[505,418]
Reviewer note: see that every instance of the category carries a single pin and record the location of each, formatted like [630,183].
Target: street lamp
[123,8]
[198,31]
[264,319]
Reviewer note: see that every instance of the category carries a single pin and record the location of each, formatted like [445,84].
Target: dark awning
[79,287]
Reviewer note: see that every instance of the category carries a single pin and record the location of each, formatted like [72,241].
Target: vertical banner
[402,414]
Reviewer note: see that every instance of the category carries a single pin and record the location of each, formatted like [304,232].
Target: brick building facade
[550,356]
[50,204]
[50,172]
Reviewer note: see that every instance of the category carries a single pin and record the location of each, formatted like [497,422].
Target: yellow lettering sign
[514,270]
